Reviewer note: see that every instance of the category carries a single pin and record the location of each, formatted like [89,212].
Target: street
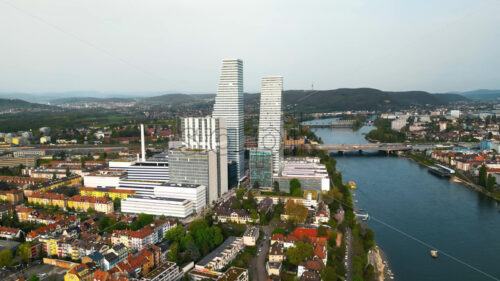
[257,267]
[348,255]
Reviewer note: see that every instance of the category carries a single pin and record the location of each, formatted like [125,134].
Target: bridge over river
[387,147]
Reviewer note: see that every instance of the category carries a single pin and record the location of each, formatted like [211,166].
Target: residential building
[261,167]
[194,166]
[271,119]
[273,268]
[398,124]
[78,273]
[208,133]
[276,253]
[10,232]
[232,274]
[229,105]
[168,271]
[83,203]
[13,196]
[322,214]
[112,193]
[250,236]
[222,255]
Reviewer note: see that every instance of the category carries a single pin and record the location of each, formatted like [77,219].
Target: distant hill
[81,100]
[174,99]
[486,95]
[357,99]
[6,104]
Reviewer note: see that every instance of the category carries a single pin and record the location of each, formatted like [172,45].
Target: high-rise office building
[260,167]
[194,166]
[208,133]
[271,119]
[229,105]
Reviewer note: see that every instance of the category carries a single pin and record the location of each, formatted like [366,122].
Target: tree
[117,203]
[276,186]
[192,251]
[175,233]
[24,251]
[483,173]
[54,176]
[328,274]
[6,257]
[68,173]
[295,188]
[322,231]
[105,222]
[490,183]
[299,253]
[33,277]
[296,212]
[174,252]
[239,193]
[278,230]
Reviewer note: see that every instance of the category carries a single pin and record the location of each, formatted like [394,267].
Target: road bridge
[387,147]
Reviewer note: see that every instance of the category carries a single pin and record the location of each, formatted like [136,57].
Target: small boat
[365,219]
[352,185]
[361,209]
[434,253]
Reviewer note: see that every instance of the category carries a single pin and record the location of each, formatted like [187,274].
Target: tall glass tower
[229,105]
[271,120]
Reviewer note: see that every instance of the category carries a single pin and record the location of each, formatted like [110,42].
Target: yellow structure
[48,199]
[12,196]
[50,245]
[106,192]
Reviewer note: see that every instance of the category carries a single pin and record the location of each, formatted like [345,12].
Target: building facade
[271,120]
[261,167]
[209,133]
[229,105]
[194,166]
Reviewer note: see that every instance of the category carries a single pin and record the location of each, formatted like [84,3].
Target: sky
[164,45]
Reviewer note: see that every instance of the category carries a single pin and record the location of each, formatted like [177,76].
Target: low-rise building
[322,215]
[10,232]
[276,253]
[83,203]
[168,271]
[112,193]
[104,178]
[13,196]
[273,268]
[171,207]
[232,274]
[250,236]
[222,255]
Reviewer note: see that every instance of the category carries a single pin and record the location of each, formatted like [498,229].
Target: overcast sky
[143,45]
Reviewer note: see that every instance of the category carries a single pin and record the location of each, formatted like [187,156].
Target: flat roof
[173,184]
[208,258]
[159,270]
[156,198]
[232,274]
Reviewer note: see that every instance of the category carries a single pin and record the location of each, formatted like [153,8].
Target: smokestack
[143,144]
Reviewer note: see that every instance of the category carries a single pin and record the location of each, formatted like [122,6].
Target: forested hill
[358,99]
[13,104]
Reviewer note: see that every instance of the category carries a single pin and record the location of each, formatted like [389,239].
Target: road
[348,255]
[258,264]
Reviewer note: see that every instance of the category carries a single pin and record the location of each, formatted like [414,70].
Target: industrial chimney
[143,144]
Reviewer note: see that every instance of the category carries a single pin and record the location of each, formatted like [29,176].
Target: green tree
[68,173]
[196,226]
[322,231]
[239,193]
[278,230]
[175,233]
[174,252]
[490,183]
[6,257]
[483,173]
[54,176]
[192,251]
[105,222]
[33,277]
[24,251]
[295,188]
[117,203]
[299,253]
[328,274]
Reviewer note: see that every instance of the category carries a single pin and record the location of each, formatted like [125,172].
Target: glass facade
[261,168]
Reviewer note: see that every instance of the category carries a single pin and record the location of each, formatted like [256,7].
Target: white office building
[170,207]
[229,105]
[271,120]
[208,133]
[193,192]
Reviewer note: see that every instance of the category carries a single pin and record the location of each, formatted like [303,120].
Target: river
[402,197]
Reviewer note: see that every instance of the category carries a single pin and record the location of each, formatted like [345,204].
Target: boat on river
[434,253]
[352,185]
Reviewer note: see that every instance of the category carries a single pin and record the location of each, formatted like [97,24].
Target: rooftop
[158,270]
[208,258]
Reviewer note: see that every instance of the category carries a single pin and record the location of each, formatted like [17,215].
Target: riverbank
[378,260]
[457,179]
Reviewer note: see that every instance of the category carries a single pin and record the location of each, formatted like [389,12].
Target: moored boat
[434,253]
